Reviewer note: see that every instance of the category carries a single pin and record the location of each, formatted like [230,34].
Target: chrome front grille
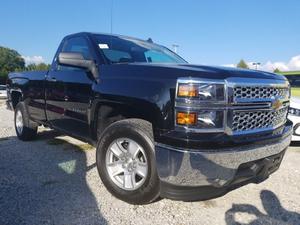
[251,105]
[244,121]
[259,105]
[257,92]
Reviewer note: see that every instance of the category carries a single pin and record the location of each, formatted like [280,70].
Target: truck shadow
[275,213]
[45,184]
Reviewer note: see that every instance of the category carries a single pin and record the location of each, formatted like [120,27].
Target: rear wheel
[25,129]
[126,162]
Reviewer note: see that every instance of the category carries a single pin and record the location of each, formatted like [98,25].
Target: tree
[35,67]
[276,70]
[242,64]
[10,60]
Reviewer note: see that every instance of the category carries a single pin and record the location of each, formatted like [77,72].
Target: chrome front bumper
[182,167]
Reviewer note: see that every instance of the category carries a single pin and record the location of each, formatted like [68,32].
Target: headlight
[294,112]
[203,119]
[201,91]
[195,105]
[210,119]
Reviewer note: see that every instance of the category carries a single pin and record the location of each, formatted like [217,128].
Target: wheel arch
[16,97]
[104,114]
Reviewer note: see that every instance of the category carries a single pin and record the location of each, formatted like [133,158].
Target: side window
[76,44]
[117,56]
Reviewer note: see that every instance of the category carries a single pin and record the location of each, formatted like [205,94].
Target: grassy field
[296,92]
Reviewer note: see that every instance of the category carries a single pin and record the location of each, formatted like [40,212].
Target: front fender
[150,100]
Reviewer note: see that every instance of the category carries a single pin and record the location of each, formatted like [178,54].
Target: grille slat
[253,120]
[256,92]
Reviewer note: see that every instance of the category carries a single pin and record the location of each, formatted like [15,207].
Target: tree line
[242,64]
[11,60]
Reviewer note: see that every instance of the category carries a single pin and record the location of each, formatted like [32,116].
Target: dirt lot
[53,180]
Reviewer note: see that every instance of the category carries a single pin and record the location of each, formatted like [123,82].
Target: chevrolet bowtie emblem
[276,104]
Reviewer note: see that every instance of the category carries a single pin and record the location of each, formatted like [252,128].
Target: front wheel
[126,161]
[25,129]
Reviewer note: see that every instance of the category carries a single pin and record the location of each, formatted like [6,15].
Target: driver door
[69,92]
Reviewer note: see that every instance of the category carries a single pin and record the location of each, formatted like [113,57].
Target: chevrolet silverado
[161,126]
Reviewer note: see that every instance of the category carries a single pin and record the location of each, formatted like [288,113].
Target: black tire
[141,132]
[29,130]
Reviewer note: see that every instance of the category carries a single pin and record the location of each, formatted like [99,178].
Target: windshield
[126,50]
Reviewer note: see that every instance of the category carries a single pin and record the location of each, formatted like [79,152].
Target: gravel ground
[53,180]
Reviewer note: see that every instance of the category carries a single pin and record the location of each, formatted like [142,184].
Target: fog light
[185,118]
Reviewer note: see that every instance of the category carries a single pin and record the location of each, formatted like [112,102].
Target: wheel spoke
[141,169]
[133,149]
[117,149]
[129,180]
[115,168]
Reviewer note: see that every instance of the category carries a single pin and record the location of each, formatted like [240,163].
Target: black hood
[189,70]
[238,72]
[219,71]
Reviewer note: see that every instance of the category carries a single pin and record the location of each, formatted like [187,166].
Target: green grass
[290,73]
[56,141]
[67,145]
[296,92]
[85,147]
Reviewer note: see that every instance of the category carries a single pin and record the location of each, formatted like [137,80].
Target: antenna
[111,16]
[175,48]
[150,40]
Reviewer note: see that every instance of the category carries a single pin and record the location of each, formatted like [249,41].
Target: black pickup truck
[162,127]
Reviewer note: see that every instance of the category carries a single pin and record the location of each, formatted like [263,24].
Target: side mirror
[76,59]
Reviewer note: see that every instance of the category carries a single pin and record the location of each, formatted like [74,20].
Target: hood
[213,72]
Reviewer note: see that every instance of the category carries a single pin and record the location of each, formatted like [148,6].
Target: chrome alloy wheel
[126,164]
[19,122]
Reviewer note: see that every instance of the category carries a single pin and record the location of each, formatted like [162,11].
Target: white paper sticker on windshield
[103,46]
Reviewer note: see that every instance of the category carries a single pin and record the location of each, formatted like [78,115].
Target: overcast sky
[213,32]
